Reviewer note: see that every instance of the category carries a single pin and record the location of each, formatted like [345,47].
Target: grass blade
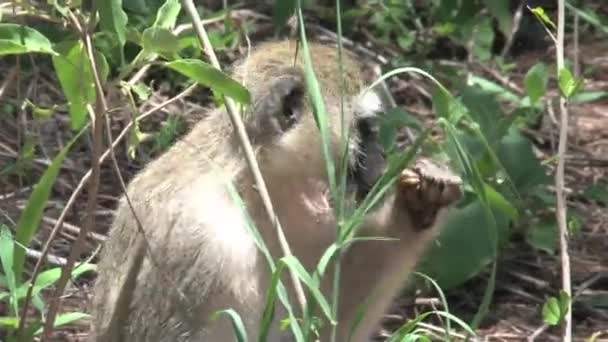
[7,246]
[29,221]
[237,323]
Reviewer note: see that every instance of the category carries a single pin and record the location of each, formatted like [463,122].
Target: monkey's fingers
[429,185]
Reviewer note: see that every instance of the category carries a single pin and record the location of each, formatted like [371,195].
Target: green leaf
[568,85]
[295,265]
[483,35]
[492,87]
[574,223]
[564,302]
[498,201]
[465,245]
[37,302]
[393,121]
[446,106]
[588,96]
[30,329]
[113,19]
[536,82]
[518,159]
[407,328]
[551,311]
[9,322]
[211,77]
[18,39]
[237,323]
[167,14]
[555,309]
[539,12]
[7,247]
[76,78]
[39,112]
[136,136]
[159,40]
[484,109]
[597,192]
[62,7]
[318,104]
[66,318]
[441,102]
[168,133]
[543,236]
[406,39]
[49,277]
[29,221]
[142,91]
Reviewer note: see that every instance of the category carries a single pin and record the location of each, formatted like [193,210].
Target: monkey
[179,250]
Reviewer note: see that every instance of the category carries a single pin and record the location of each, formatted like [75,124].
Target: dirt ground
[525,276]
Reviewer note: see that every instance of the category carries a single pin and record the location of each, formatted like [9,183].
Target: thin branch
[576,68]
[516,22]
[77,247]
[246,145]
[9,80]
[559,178]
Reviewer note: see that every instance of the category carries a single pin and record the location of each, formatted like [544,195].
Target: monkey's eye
[291,109]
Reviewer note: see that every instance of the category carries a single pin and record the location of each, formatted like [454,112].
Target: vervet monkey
[202,258]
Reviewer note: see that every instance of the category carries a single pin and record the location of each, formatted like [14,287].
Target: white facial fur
[368,104]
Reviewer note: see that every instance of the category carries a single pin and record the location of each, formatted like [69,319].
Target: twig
[75,229]
[443,331]
[53,259]
[516,22]
[8,80]
[576,69]
[246,145]
[77,246]
[538,332]
[559,178]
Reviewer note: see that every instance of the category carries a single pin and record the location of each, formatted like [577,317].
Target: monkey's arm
[374,271]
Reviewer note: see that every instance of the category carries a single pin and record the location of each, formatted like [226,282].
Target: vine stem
[559,178]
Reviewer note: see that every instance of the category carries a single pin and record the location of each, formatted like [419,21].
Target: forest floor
[525,276]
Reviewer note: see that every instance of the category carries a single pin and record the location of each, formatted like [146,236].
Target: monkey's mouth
[363,176]
[368,162]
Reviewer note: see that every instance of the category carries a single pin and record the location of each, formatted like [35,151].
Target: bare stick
[246,145]
[559,177]
[77,247]
[514,28]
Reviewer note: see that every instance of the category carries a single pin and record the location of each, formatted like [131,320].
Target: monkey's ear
[278,106]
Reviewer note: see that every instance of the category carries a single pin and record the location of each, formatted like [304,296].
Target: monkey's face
[283,128]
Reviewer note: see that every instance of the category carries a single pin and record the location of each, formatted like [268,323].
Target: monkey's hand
[425,189]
